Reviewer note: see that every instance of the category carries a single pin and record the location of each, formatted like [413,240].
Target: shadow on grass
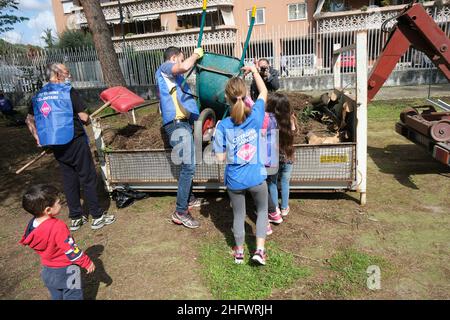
[220,212]
[403,161]
[92,281]
[325,196]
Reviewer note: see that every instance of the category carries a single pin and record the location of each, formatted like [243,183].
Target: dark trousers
[63,283]
[78,170]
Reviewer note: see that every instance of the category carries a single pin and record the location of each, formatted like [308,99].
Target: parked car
[348,62]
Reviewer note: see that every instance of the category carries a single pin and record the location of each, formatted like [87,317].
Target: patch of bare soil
[131,263]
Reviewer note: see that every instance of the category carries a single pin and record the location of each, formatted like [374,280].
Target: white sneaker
[76,224]
[104,220]
[260,257]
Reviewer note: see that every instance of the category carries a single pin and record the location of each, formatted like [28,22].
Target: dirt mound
[148,134]
[142,138]
[299,101]
[305,122]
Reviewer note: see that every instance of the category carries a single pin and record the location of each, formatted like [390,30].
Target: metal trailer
[438,150]
[317,168]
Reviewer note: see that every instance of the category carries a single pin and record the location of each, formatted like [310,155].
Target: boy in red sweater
[60,256]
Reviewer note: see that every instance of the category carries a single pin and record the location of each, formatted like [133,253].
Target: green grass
[391,109]
[349,267]
[226,280]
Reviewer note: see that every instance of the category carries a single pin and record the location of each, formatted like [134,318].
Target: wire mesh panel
[153,167]
[141,167]
[312,163]
[324,163]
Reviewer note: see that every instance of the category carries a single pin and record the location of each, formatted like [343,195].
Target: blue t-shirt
[245,166]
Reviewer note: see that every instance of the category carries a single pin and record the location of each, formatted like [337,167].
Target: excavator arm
[417,29]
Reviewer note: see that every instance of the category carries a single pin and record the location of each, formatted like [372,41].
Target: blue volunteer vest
[167,106]
[53,114]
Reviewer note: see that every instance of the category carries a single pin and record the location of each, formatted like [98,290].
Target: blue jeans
[284,173]
[180,137]
[63,283]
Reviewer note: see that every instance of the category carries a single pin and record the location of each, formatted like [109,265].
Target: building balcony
[181,38]
[138,8]
[367,16]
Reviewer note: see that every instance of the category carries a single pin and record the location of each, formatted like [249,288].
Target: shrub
[75,39]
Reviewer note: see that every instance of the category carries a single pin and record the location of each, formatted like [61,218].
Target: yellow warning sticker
[334,159]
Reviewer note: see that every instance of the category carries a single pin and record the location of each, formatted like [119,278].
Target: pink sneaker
[269,229]
[260,257]
[275,217]
[238,256]
[285,212]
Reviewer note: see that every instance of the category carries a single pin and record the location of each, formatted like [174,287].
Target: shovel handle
[202,24]
[249,34]
[43,153]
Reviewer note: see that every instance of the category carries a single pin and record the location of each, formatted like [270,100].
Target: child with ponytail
[237,142]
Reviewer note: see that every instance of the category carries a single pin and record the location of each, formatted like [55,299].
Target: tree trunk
[103,44]
[321,101]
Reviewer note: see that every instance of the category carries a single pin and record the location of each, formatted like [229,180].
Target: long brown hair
[279,105]
[235,92]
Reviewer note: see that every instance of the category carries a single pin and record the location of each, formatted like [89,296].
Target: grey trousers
[260,196]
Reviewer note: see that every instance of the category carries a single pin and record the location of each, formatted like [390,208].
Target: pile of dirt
[148,134]
[300,103]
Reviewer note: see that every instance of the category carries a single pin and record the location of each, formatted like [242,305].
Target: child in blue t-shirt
[237,141]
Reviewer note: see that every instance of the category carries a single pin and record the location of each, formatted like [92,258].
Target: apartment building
[145,22]
[302,30]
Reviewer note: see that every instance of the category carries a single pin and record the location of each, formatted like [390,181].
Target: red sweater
[53,242]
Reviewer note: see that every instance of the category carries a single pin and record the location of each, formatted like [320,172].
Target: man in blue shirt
[5,105]
[8,111]
[179,110]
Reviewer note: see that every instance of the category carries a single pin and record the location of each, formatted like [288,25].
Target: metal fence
[295,51]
